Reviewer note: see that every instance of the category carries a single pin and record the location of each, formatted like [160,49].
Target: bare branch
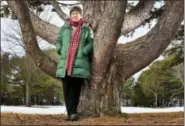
[135,17]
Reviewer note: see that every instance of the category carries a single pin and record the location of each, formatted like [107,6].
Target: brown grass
[175,118]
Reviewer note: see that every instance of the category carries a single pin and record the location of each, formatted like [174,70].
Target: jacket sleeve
[89,44]
[59,42]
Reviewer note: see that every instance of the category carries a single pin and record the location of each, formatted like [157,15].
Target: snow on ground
[35,109]
[62,109]
[151,110]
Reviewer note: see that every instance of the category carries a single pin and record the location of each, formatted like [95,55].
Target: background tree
[126,91]
[177,52]
[159,82]
[112,64]
[41,86]
[5,75]
[157,86]
[139,98]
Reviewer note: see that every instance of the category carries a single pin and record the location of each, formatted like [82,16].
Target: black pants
[72,88]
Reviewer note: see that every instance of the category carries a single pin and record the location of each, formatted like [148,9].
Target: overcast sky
[10,26]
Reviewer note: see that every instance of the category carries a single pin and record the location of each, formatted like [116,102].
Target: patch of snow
[35,110]
[62,109]
[151,110]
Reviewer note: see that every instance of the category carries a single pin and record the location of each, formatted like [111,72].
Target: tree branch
[137,15]
[29,39]
[134,56]
[45,30]
[59,11]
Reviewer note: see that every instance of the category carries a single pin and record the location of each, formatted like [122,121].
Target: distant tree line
[22,83]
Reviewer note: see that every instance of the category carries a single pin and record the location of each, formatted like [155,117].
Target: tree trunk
[24,93]
[156,100]
[28,95]
[102,102]
[105,89]
[27,62]
[105,99]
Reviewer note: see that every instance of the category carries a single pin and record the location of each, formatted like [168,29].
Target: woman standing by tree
[74,44]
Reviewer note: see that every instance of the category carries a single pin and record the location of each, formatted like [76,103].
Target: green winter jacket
[81,66]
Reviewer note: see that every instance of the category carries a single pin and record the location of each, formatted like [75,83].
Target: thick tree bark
[112,64]
[104,100]
[92,11]
[109,26]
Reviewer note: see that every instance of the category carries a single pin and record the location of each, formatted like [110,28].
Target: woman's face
[75,16]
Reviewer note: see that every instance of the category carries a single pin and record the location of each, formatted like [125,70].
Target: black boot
[74,117]
[68,118]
